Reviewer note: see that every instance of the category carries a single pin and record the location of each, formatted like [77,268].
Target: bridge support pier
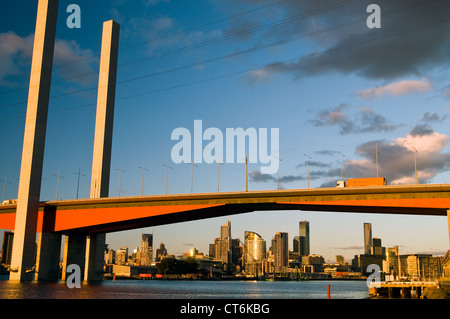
[95,257]
[74,253]
[88,251]
[48,256]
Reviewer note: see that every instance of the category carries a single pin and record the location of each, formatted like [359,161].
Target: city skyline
[226,232]
[307,68]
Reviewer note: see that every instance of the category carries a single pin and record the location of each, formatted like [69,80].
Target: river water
[189,289]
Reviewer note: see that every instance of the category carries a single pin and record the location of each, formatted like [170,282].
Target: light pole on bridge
[376,156]
[142,185]
[78,184]
[218,170]
[415,161]
[120,177]
[342,165]
[57,184]
[307,166]
[192,173]
[167,173]
[4,188]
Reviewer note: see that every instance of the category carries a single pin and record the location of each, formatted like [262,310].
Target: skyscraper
[296,244]
[223,245]
[225,231]
[368,238]
[146,249]
[280,251]
[304,238]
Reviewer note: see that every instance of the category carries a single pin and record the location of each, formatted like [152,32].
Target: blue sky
[313,69]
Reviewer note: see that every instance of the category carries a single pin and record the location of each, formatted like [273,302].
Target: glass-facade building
[254,253]
[304,249]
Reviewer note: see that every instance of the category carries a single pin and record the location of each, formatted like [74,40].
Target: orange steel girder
[90,216]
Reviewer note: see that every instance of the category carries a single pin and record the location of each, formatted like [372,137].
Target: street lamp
[78,184]
[342,165]
[376,155]
[415,161]
[167,172]
[4,188]
[307,165]
[120,176]
[142,185]
[218,169]
[246,174]
[57,184]
[192,172]
[278,172]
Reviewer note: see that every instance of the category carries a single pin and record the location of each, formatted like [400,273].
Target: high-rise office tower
[223,245]
[280,251]
[225,231]
[146,249]
[304,238]
[368,243]
[296,244]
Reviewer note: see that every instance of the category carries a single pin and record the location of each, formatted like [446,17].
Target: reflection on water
[159,289]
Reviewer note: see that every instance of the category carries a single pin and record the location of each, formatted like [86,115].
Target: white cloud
[397,88]
[74,63]
[259,76]
[396,158]
[428,144]
[15,52]
[70,61]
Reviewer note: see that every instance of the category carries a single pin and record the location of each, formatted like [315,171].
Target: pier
[400,289]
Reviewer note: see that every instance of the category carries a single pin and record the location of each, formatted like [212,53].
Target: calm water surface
[159,289]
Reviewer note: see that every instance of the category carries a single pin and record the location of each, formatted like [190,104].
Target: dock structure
[400,289]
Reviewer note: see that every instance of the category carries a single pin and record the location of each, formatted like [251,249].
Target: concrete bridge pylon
[86,251]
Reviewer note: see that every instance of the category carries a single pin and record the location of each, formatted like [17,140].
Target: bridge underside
[105,215]
[189,214]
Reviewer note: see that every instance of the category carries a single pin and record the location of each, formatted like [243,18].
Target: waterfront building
[377,248]
[340,260]
[313,263]
[160,252]
[122,256]
[146,249]
[446,265]
[368,242]
[110,256]
[362,261]
[254,253]
[304,242]
[280,252]
[423,266]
